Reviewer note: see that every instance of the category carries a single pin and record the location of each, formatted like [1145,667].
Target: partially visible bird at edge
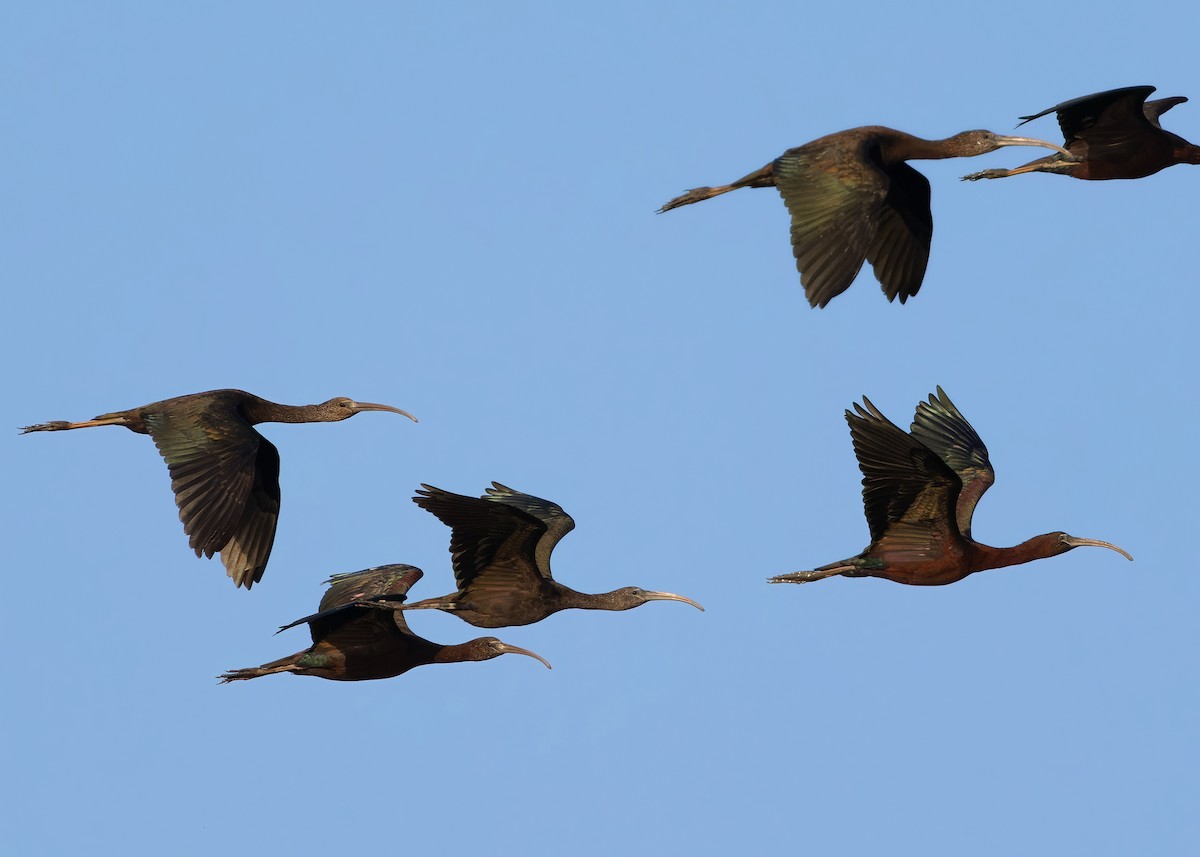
[225,474]
[501,545]
[1110,135]
[853,199]
[358,635]
[919,491]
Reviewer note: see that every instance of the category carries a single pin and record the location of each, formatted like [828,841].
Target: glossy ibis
[1111,135]
[920,491]
[358,635]
[224,473]
[501,545]
[853,198]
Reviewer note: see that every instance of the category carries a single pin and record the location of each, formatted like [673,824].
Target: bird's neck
[258,410]
[569,599]
[454,654]
[902,147]
[1039,547]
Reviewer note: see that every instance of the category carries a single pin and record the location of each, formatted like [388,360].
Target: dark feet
[57,425]
[696,194]
[985,174]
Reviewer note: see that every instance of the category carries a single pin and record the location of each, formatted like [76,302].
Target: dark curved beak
[1008,140]
[371,406]
[517,650]
[670,596]
[1076,542]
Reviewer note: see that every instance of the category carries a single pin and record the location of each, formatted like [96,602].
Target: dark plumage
[358,636]
[501,545]
[853,199]
[225,474]
[1110,135]
[919,492]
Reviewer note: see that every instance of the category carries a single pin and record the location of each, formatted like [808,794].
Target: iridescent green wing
[385,584]
[939,425]
[558,523]
[245,555]
[226,481]
[489,541]
[908,492]
[834,195]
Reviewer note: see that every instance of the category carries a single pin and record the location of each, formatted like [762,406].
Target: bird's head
[1067,542]
[486,648]
[342,408]
[968,144]
[629,597]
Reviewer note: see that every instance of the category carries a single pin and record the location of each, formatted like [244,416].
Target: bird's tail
[764,177]
[282,665]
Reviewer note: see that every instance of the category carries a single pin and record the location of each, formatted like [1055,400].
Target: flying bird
[358,636]
[501,545]
[919,490]
[853,199]
[1110,135]
[225,474]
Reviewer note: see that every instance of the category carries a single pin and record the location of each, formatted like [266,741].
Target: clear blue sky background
[450,208]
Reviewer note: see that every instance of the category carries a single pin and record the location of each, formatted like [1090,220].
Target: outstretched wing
[384,584]
[1111,118]
[940,426]
[246,553]
[834,194]
[492,544]
[908,492]
[226,481]
[899,250]
[1155,109]
[558,523]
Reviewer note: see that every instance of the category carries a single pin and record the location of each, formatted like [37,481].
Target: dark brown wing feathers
[225,476]
[1155,109]
[1100,114]
[484,534]
[245,555]
[899,252]
[558,522]
[834,201]
[897,469]
[212,472]
[939,425]
[849,207]
[388,583]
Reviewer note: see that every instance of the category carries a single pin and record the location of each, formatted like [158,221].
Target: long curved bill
[371,406]
[517,650]
[1076,542]
[1007,140]
[670,596]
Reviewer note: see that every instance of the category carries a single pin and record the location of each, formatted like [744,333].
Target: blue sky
[450,208]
